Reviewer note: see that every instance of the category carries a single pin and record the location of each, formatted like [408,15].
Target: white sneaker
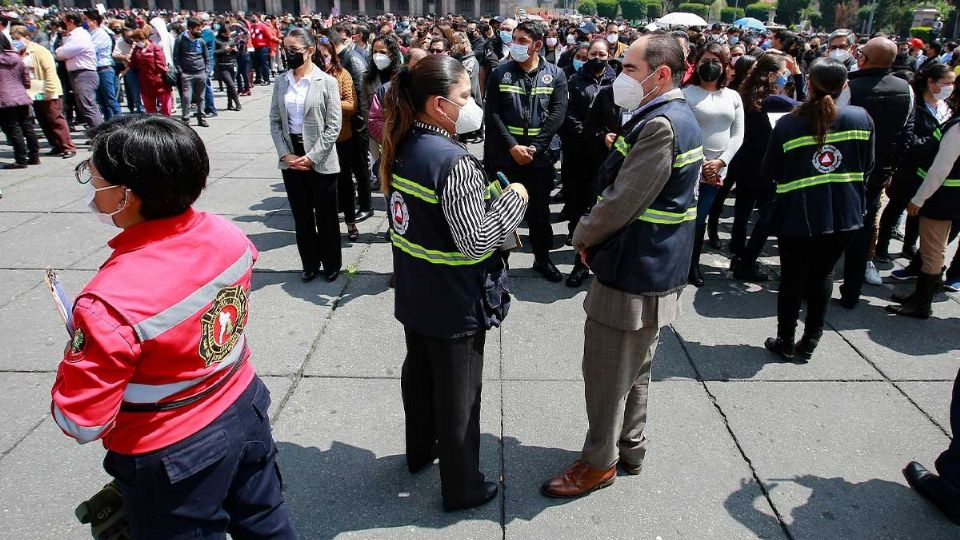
[872,276]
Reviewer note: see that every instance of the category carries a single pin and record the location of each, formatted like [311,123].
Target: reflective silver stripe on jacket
[81,433]
[153,393]
[184,309]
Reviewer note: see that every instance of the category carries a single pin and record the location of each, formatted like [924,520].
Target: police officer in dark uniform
[450,278]
[526,100]
[819,157]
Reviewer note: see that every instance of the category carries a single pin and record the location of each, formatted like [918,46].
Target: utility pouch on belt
[104,513]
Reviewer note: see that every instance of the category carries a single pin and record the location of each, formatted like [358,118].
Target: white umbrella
[681,19]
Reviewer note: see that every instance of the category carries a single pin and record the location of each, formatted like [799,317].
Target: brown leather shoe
[579,480]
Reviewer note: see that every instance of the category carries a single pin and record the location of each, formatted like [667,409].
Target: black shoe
[15,165]
[202,122]
[713,239]
[629,468]
[33,160]
[695,276]
[782,346]
[308,275]
[54,152]
[750,272]
[576,277]
[847,302]
[547,269]
[69,154]
[935,489]
[185,120]
[488,493]
[919,304]
[363,215]
[808,343]
[331,275]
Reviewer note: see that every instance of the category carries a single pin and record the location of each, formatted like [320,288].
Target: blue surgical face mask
[577,64]
[505,36]
[782,80]
[734,40]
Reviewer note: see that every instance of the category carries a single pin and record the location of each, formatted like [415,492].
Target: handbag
[169,79]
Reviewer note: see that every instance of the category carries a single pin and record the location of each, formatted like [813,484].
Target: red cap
[916,43]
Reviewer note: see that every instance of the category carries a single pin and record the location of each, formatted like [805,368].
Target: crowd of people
[827,141]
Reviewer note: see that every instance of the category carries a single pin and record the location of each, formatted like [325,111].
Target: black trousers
[855,260]
[228,77]
[718,203]
[313,201]
[441,383]
[888,222]
[360,165]
[748,199]
[17,124]
[948,464]
[577,172]
[539,184]
[806,274]
[345,200]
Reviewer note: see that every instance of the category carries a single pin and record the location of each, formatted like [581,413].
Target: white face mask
[840,54]
[470,118]
[945,92]
[571,39]
[519,52]
[613,38]
[106,219]
[551,42]
[381,60]
[628,92]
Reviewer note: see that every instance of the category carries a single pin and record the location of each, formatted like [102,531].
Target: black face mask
[295,60]
[594,65]
[710,71]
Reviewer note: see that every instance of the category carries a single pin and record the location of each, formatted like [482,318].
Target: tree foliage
[696,9]
[587,7]
[633,9]
[729,14]
[607,8]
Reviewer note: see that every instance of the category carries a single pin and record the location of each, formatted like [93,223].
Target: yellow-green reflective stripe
[687,158]
[667,218]
[541,90]
[818,180]
[511,88]
[450,258]
[949,182]
[851,135]
[533,131]
[412,188]
[937,134]
[621,146]
[514,130]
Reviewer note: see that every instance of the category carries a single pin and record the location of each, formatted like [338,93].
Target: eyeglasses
[436,51]
[83,173]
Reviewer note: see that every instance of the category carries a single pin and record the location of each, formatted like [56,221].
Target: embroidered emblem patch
[222,325]
[79,340]
[827,159]
[507,78]
[399,214]
[547,79]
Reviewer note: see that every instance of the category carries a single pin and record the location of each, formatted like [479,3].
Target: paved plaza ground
[742,446]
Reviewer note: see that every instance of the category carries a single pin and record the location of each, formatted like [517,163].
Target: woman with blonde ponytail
[818,158]
[445,226]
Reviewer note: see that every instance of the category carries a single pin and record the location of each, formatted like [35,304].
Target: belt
[74,72]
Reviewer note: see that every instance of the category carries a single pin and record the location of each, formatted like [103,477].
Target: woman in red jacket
[147,57]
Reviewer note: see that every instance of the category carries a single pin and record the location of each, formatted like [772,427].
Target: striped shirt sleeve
[477,230]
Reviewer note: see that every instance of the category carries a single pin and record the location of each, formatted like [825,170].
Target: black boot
[781,345]
[579,273]
[695,276]
[808,343]
[918,305]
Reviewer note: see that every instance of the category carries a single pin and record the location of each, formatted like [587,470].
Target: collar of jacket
[869,72]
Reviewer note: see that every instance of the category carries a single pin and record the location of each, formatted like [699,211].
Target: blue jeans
[107,93]
[209,106]
[243,72]
[224,478]
[261,65]
[131,83]
[708,193]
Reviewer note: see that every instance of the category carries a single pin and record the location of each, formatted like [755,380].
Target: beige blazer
[321,121]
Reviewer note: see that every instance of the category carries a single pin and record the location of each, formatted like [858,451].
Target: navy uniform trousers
[948,464]
[224,478]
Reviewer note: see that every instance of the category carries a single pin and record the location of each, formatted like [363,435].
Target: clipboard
[60,299]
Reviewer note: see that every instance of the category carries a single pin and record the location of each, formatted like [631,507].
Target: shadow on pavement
[731,299]
[347,488]
[837,508]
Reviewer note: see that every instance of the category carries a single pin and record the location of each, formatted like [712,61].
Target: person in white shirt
[103,49]
[78,52]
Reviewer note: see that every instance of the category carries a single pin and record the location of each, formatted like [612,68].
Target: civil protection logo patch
[399,214]
[222,325]
[507,78]
[547,79]
[827,159]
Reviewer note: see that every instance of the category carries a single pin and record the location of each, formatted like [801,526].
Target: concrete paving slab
[53,240]
[10,220]
[33,337]
[242,197]
[43,479]
[24,403]
[830,454]
[725,324]
[44,193]
[14,283]
[933,398]
[342,456]
[901,347]
[693,481]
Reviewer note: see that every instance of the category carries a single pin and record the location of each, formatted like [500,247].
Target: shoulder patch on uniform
[399,214]
[79,340]
[827,159]
[507,77]
[547,79]
[222,325]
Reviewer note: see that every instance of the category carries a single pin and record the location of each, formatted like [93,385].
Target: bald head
[879,52]
[415,55]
